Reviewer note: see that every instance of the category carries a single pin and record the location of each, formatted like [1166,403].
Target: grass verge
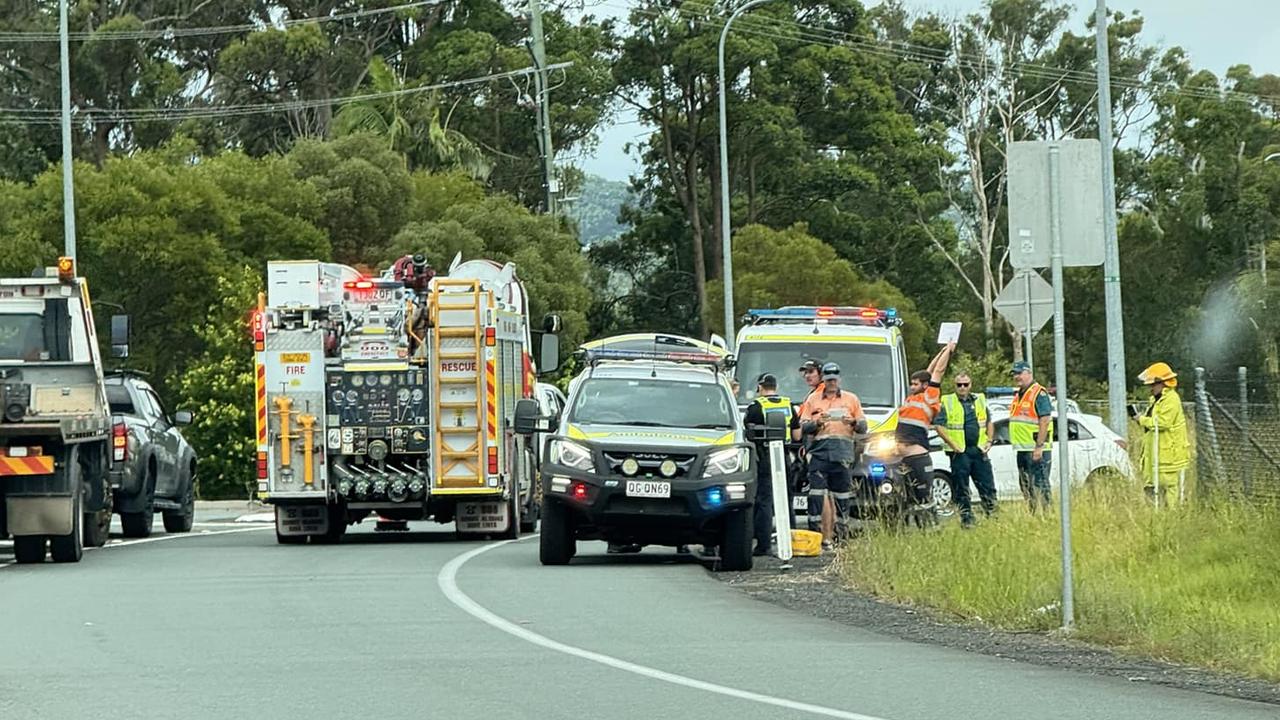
[1192,584]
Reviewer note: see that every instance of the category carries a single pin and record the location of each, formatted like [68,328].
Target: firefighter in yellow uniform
[1165,450]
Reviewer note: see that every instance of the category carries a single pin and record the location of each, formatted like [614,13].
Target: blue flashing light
[891,313]
[877,471]
[687,357]
[715,497]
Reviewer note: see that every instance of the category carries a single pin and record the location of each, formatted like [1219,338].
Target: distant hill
[596,209]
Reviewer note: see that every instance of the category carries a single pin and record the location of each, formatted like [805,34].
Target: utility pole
[539,50]
[1117,383]
[68,188]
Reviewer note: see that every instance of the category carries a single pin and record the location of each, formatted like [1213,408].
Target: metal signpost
[1055,220]
[1027,303]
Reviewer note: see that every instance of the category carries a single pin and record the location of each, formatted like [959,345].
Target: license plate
[482,517]
[800,502]
[648,489]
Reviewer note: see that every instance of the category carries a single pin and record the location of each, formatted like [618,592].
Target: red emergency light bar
[867,315]
[697,358]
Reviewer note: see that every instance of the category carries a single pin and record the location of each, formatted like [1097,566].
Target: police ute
[649,450]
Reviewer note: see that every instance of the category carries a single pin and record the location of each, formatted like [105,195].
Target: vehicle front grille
[649,462]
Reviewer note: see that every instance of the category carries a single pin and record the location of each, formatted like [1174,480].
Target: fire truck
[395,395]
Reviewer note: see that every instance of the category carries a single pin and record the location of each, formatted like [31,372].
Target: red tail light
[358,285]
[119,442]
[262,466]
[490,336]
[259,331]
[493,461]
[579,491]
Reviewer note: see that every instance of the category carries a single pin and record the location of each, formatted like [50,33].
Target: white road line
[448,582]
[160,538]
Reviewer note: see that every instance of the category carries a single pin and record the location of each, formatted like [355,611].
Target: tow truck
[55,423]
[394,395]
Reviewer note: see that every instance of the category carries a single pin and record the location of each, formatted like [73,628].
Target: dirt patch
[812,586]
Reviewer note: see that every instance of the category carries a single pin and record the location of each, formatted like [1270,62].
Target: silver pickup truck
[55,429]
[153,468]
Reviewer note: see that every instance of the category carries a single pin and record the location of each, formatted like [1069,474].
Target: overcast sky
[1216,33]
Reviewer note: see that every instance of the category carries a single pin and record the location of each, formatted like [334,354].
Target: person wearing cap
[965,425]
[832,418]
[812,372]
[1030,433]
[915,417]
[1165,450]
[768,402]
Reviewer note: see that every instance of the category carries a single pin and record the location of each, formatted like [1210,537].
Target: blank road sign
[1011,303]
[1080,203]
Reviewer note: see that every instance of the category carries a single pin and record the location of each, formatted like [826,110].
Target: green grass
[1188,584]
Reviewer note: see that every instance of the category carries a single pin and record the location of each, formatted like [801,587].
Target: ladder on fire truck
[458,374]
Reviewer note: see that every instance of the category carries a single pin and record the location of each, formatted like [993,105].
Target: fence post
[1247,475]
[1207,462]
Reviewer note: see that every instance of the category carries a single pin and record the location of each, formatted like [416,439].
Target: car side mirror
[119,336]
[551,323]
[529,417]
[183,417]
[549,354]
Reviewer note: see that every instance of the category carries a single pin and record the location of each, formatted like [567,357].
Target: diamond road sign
[1012,304]
[1079,194]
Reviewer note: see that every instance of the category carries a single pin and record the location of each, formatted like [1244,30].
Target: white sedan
[1095,450]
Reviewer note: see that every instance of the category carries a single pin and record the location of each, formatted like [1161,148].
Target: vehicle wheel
[943,498]
[29,549]
[556,544]
[139,524]
[735,544]
[97,525]
[514,519]
[70,548]
[180,521]
[529,520]
[337,526]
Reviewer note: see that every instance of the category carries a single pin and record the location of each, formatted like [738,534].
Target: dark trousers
[972,464]
[1033,478]
[834,479]
[764,506]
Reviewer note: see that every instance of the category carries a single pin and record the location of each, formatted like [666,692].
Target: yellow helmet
[1159,372]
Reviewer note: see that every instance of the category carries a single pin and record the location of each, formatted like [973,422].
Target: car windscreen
[120,401]
[865,369]
[652,402]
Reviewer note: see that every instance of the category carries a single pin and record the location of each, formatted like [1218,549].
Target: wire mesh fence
[1234,437]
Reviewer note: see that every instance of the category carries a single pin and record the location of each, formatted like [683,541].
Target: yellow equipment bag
[806,543]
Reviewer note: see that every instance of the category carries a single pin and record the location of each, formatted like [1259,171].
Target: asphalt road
[224,623]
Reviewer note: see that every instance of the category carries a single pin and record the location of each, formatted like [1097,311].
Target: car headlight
[572,455]
[883,445]
[727,462]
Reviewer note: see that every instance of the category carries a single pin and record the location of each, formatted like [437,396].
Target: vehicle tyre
[735,543]
[337,525]
[514,520]
[70,548]
[139,524]
[180,521]
[556,544]
[29,549]
[97,525]
[943,497]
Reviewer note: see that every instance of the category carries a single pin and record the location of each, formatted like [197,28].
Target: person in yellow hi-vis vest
[1165,450]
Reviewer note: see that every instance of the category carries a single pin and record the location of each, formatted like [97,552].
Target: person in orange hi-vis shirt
[832,418]
[915,417]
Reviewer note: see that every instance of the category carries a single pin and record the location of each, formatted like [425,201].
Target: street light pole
[725,249]
[1116,381]
[68,191]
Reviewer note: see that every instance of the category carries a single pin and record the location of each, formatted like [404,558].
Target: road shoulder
[812,586]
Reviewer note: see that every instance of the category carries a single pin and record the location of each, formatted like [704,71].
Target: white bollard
[781,499]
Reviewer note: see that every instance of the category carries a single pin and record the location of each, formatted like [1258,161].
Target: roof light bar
[864,315]
[696,358]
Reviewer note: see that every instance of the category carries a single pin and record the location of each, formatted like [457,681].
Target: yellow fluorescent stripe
[576,433]
[816,338]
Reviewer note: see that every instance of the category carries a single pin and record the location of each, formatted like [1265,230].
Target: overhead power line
[22,116]
[181,32]
[776,28]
